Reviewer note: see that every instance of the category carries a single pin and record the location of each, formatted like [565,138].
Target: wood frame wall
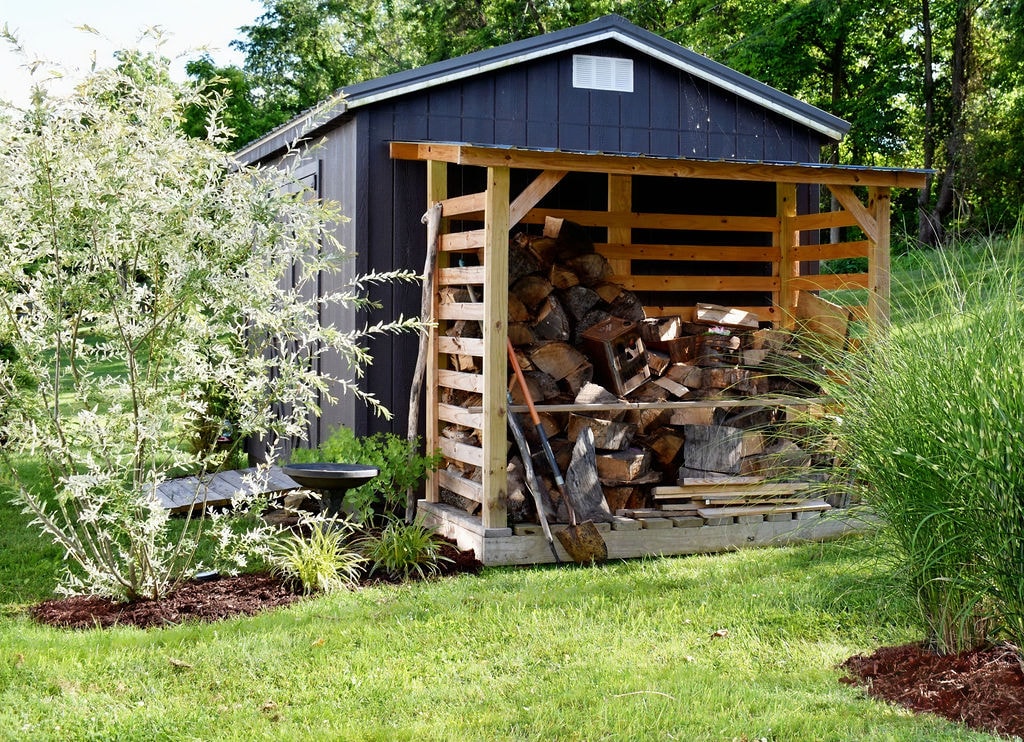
[499,211]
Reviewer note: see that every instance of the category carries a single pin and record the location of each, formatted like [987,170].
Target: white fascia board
[585,41]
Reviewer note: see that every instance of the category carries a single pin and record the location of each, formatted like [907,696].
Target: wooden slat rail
[697,283]
[691,253]
[460,380]
[460,485]
[831,282]
[695,222]
[765,314]
[462,241]
[832,251]
[824,220]
[472,203]
[461,452]
[458,415]
[461,276]
[461,346]
[473,311]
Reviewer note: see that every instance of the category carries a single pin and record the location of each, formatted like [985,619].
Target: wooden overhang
[499,211]
[611,164]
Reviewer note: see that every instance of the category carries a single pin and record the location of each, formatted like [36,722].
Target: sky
[47,31]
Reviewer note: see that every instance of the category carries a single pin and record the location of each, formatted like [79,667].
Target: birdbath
[332,481]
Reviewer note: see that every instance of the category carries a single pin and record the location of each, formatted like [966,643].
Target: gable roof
[609,27]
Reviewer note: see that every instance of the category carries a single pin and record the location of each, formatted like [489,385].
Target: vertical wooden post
[620,201]
[495,331]
[787,268]
[878,260]
[437,190]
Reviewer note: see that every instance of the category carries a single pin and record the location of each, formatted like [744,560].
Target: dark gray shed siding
[670,113]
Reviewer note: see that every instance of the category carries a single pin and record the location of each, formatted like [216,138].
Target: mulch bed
[202,600]
[982,688]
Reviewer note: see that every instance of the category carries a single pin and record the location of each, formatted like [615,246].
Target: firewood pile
[687,417]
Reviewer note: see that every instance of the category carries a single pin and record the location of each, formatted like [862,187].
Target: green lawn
[739,646]
[625,651]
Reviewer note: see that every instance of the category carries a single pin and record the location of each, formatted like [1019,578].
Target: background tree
[928,83]
[140,303]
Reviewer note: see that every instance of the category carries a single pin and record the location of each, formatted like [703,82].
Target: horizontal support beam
[857,249]
[631,220]
[456,276]
[831,282]
[461,154]
[695,253]
[697,283]
[460,346]
[461,310]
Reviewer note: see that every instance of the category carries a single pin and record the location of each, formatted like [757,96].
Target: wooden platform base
[630,538]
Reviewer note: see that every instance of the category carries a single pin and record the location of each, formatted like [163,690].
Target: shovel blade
[583,543]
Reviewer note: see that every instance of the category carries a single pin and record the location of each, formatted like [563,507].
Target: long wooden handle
[522,383]
[545,443]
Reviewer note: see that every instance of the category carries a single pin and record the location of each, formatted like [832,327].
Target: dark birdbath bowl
[332,481]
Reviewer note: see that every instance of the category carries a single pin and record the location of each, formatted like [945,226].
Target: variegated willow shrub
[140,295]
[932,426]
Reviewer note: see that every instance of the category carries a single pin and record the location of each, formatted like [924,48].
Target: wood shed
[692,196]
[605,86]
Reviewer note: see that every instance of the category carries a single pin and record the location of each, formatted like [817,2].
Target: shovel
[582,541]
[532,482]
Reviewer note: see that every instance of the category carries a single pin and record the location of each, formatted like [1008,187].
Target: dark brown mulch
[982,688]
[201,600]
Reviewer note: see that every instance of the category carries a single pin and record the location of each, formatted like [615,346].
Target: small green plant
[400,464]
[402,550]
[321,563]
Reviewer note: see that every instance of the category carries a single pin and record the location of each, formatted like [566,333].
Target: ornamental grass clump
[932,427]
[141,294]
[320,562]
[403,550]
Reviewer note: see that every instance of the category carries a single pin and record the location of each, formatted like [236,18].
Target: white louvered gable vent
[602,73]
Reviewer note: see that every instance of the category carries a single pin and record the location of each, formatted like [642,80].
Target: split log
[572,239]
[692,416]
[532,290]
[607,435]
[674,388]
[552,322]
[736,380]
[711,449]
[658,362]
[656,331]
[683,349]
[592,318]
[576,380]
[517,311]
[522,258]
[597,394]
[562,277]
[718,350]
[542,387]
[667,446]
[578,301]
[647,420]
[608,292]
[625,497]
[713,314]
[557,359]
[627,305]
[624,466]
[582,483]
[691,377]
[520,334]
[591,268]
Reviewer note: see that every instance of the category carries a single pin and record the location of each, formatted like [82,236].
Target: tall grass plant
[932,427]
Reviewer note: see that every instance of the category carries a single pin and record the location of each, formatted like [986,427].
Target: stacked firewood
[584,342]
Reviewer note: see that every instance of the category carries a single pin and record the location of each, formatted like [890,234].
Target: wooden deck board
[178,495]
